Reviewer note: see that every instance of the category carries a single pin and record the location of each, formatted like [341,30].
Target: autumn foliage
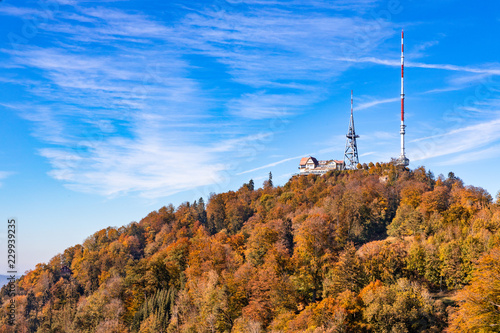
[379,249]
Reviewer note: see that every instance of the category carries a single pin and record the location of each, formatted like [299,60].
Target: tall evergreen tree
[269,182]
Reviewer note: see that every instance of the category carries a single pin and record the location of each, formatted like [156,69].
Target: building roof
[304,160]
[338,162]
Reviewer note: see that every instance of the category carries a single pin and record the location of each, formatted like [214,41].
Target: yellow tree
[401,307]
[479,309]
[346,274]
[312,253]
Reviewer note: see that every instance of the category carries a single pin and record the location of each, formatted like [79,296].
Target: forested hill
[371,250]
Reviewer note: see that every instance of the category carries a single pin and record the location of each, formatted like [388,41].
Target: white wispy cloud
[26,12]
[473,156]
[265,50]
[270,165]
[122,103]
[420,50]
[372,60]
[4,175]
[285,176]
[441,90]
[493,69]
[463,81]
[466,142]
[384,135]
[370,104]
[145,166]
[351,5]
[261,105]
[120,106]
[113,124]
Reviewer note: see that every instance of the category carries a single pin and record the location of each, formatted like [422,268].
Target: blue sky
[112,109]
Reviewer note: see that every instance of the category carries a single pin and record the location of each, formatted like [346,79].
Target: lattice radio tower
[351,159]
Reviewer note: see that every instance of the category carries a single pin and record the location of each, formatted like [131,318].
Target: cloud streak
[370,104]
[125,102]
[270,165]
[493,70]
[465,143]
[4,175]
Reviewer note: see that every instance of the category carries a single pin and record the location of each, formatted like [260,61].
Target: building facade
[310,165]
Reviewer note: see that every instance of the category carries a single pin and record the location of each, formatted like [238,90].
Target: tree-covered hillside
[371,250]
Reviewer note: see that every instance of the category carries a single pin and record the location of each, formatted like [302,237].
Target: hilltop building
[310,165]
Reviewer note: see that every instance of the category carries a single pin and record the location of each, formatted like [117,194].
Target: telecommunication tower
[351,159]
[402,160]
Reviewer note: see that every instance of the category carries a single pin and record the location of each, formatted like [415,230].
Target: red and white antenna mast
[402,158]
